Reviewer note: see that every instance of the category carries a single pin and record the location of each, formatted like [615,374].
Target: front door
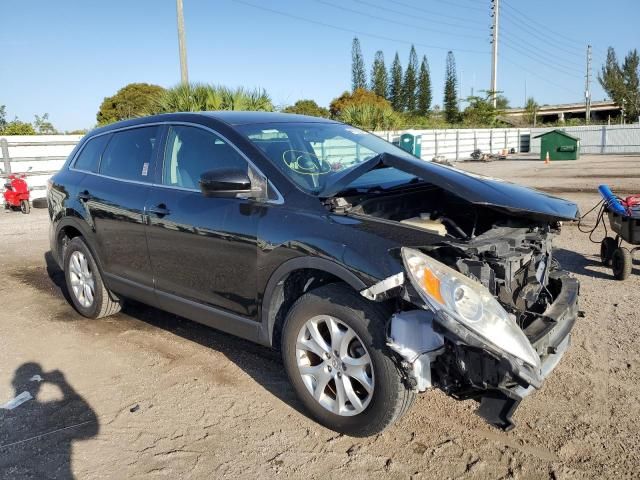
[115,199]
[202,249]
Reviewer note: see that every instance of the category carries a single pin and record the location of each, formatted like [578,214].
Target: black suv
[378,275]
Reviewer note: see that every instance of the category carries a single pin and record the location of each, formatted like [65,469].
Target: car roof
[247,118]
[232,118]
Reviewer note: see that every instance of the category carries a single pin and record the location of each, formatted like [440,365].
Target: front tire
[25,206]
[86,288]
[335,355]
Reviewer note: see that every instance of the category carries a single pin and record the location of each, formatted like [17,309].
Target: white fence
[39,155]
[605,139]
[45,154]
[458,144]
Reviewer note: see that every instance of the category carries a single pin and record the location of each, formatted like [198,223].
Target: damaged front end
[491,326]
[483,309]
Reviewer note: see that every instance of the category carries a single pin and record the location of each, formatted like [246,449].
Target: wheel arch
[67,229]
[292,279]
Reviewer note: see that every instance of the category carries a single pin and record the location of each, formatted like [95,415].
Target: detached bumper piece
[497,408]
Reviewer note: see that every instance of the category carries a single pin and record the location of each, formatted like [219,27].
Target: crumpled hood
[477,189]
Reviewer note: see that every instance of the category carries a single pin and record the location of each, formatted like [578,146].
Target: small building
[560,145]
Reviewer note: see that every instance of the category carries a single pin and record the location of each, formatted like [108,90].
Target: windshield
[314,155]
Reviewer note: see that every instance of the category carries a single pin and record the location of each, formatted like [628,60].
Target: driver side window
[191,151]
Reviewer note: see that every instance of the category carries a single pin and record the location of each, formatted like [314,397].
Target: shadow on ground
[582,265]
[263,364]
[36,436]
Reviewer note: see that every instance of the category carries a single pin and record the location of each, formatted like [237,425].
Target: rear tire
[89,295]
[607,247]
[25,206]
[383,396]
[621,263]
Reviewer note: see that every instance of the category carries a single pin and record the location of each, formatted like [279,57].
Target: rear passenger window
[89,158]
[191,151]
[129,153]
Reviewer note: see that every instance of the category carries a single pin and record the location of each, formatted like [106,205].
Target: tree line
[381,98]
[40,125]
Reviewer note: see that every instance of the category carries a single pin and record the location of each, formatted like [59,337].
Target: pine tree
[410,82]
[631,78]
[379,77]
[424,88]
[451,112]
[358,74]
[395,89]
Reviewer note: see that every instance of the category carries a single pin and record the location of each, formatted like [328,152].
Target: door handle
[159,210]
[84,196]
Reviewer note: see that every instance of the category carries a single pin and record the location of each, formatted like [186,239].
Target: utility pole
[182,45]
[495,6]
[587,88]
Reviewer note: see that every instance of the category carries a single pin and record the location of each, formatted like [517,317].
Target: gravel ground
[147,394]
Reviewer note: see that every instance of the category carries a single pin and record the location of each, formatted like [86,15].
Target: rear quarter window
[128,155]
[89,158]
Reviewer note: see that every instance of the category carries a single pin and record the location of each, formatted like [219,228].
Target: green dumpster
[411,143]
[560,146]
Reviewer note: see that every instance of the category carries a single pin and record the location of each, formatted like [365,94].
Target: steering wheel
[305,163]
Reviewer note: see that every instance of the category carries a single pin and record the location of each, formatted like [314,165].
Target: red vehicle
[16,193]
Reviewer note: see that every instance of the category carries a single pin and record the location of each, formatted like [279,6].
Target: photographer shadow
[36,436]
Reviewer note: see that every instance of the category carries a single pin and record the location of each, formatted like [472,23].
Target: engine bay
[510,255]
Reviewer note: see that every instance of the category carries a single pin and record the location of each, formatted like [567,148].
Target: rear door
[203,250]
[115,199]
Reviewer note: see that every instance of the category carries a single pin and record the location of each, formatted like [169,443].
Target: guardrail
[39,157]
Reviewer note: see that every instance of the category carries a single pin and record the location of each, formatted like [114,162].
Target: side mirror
[225,182]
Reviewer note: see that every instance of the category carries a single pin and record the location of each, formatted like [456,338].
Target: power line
[419,9]
[539,51]
[558,45]
[541,56]
[455,4]
[358,32]
[384,19]
[545,79]
[556,33]
[555,68]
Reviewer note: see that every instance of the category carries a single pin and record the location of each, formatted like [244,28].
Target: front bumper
[470,368]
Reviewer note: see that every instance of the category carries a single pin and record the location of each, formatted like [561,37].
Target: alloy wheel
[82,280]
[335,365]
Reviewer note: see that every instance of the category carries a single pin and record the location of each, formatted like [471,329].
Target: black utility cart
[612,253]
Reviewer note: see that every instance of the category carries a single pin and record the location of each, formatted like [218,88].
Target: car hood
[477,189]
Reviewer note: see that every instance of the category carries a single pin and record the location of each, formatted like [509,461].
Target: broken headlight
[469,303]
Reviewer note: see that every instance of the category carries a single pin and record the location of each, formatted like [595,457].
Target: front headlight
[468,302]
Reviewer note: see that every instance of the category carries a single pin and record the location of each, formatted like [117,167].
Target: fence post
[4,146]
[436,141]
[491,140]
[457,144]
[506,140]
[603,141]
[518,141]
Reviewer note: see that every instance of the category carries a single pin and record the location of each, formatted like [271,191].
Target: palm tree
[198,97]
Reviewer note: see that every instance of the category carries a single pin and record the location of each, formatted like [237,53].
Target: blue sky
[64,57]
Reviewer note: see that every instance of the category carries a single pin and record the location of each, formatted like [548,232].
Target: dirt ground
[147,394]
